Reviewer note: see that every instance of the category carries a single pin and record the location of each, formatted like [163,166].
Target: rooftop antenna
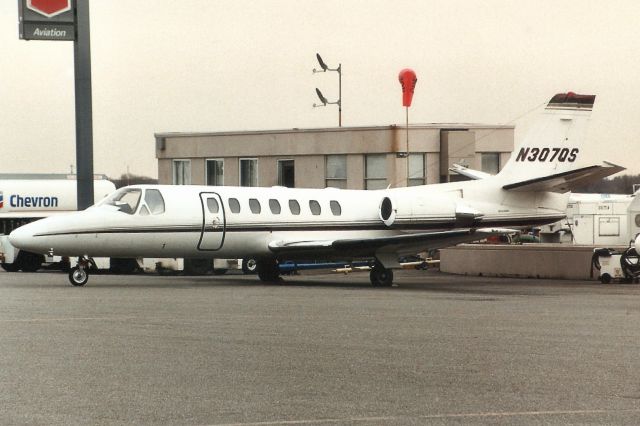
[324,68]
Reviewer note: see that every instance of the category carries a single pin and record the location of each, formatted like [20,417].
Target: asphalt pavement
[317,350]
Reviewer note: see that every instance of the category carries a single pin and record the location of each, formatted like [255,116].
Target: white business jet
[271,224]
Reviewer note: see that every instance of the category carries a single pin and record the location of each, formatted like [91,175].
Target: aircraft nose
[24,239]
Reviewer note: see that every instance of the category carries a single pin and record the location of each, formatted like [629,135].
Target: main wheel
[268,270]
[249,266]
[123,266]
[78,276]
[381,276]
[197,266]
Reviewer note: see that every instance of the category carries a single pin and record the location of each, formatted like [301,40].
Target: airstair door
[213,222]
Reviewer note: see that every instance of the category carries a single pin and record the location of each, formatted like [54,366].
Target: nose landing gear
[79,275]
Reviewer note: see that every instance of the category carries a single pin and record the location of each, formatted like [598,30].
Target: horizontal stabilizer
[469,173]
[566,181]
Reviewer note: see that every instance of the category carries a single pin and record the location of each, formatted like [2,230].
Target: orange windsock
[408,81]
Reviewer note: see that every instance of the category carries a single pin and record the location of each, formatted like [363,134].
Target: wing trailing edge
[369,247]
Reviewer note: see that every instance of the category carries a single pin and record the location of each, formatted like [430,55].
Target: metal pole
[84,123]
[407,148]
[339,95]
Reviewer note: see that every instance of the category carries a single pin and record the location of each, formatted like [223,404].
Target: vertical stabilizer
[555,144]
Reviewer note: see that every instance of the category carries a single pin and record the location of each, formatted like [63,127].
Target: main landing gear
[268,270]
[381,276]
[79,275]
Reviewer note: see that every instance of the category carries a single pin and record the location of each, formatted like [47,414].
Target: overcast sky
[213,65]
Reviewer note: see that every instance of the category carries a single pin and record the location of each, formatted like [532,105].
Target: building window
[182,172]
[286,173]
[375,171]
[294,206]
[215,172]
[248,172]
[336,171]
[490,162]
[416,170]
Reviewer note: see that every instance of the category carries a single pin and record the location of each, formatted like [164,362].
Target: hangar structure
[346,157]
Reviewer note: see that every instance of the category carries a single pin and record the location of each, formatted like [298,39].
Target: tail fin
[552,157]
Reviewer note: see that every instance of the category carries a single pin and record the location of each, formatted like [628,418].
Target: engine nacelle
[428,209]
[637,243]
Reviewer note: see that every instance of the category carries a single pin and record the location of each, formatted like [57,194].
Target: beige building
[346,157]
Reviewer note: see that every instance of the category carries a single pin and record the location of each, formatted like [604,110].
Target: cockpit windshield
[125,199]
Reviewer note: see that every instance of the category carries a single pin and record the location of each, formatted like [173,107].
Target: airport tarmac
[317,350]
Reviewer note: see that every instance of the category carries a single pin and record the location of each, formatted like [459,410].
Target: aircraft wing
[370,247]
[567,181]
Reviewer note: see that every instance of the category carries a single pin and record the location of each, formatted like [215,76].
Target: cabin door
[213,222]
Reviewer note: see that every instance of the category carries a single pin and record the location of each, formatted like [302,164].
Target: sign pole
[84,120]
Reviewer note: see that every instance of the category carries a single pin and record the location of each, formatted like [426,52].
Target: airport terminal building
[346,157]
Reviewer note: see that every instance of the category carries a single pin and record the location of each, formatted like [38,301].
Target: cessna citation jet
[272,224]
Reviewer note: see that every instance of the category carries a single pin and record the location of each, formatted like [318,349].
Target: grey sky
[209,65]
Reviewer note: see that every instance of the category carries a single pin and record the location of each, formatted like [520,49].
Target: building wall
[308,149]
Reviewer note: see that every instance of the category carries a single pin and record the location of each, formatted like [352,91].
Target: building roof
[447,126]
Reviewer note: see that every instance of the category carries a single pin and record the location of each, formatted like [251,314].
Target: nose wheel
[79,275]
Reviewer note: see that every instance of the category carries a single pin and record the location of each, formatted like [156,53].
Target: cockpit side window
[144,211]
[154,201]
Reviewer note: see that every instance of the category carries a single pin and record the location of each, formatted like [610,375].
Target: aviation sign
[46,19]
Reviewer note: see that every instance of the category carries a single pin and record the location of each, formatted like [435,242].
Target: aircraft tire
[249,266]
[123,266]
[197,266]
[78,276]
[381,276]
[268,270]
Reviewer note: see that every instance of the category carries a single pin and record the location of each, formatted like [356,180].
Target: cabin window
[155,202]
[254,205]
[335,208]
[294,206]
[212,205]
[274,205]
[314,206]
[234,205]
